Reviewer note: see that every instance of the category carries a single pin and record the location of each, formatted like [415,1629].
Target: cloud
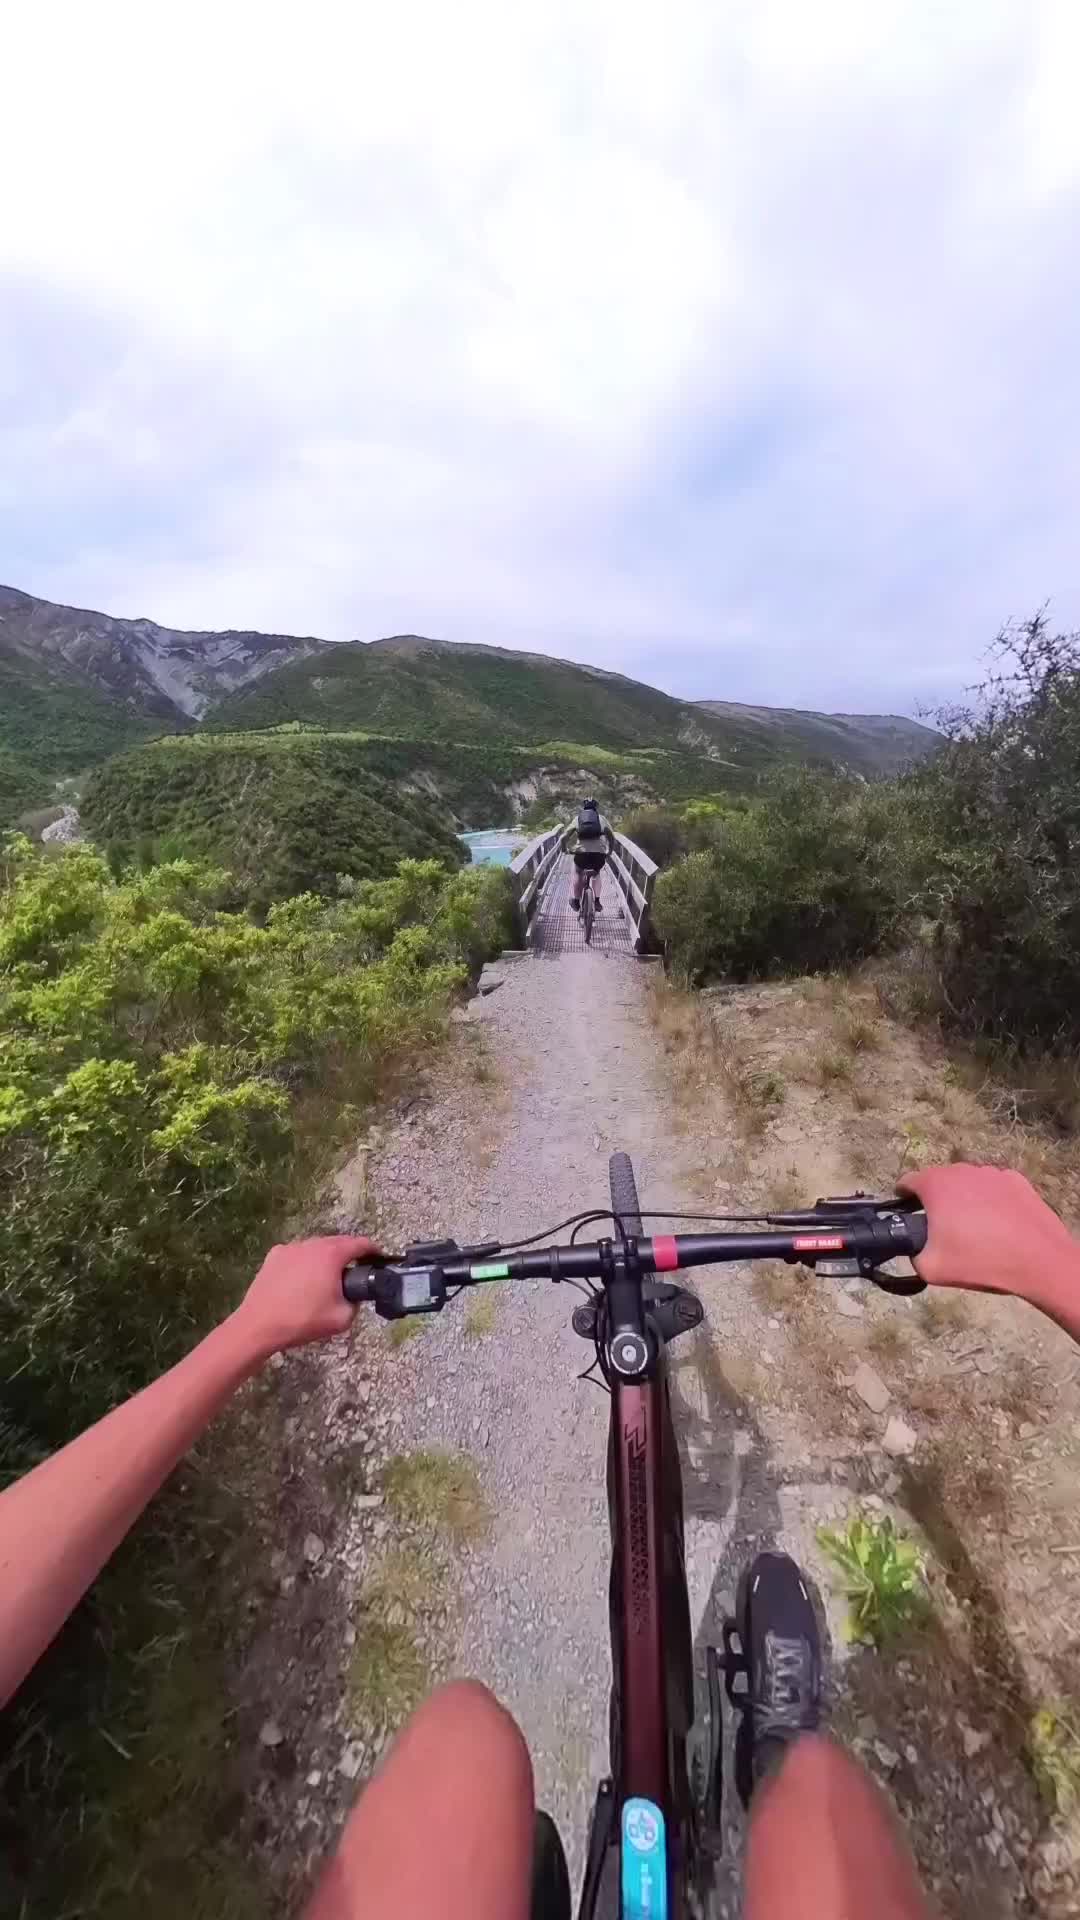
[731,347]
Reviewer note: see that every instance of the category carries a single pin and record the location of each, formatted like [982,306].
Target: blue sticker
[644,1862]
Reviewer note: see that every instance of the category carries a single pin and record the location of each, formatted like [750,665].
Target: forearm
[1056,1292]
[60,1523]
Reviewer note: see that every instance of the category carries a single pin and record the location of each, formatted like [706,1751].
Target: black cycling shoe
[599,905]
[575,906]
[781,1650]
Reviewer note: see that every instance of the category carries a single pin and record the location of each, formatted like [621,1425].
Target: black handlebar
[859,1233]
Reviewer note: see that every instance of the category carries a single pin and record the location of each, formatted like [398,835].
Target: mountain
[161,672]
[424,689]
[52,723]
[871,743]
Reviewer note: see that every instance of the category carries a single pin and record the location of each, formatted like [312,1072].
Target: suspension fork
[637,1446]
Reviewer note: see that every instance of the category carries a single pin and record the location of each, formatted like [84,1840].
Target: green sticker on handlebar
[500,1271]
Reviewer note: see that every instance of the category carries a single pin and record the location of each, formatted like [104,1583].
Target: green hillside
[432,690]
[22,785]
[51,726]
[285,814]
[290,810]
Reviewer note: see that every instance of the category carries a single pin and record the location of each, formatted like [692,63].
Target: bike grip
[358,1283]
[916,1232]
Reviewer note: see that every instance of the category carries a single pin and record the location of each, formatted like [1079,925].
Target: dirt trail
[573,1077]
[738,1099]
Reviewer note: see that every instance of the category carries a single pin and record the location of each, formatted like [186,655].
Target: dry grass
[865,1095]
[833,1067]
[941,1312]
[481,1315]
[773,1285]
[710,1055]
[1020,1390]
[785,1191]
[400,1332]
[437,1493]
[855,1030]
[887,1340]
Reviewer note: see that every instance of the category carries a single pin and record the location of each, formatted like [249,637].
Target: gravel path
[573,1081]
[560,1065]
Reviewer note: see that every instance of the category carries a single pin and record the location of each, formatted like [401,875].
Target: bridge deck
[557,930]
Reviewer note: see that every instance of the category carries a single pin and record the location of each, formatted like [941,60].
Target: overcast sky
[732,345]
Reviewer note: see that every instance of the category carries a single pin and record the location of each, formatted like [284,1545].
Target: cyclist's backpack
[588,824]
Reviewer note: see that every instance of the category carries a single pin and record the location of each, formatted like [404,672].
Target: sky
[732,346]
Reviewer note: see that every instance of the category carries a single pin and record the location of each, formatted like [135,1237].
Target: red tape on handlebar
[665,1249]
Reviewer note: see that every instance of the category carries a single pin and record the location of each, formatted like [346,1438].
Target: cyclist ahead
[446,1825]
[593,841]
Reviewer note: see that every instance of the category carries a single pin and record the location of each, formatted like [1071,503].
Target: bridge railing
[530,868]
[629,865]
[634,874]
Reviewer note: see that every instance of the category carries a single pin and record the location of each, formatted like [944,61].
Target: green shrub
[1000,815]
[286,813]
[882,1574]
[169,1073]
[812,876]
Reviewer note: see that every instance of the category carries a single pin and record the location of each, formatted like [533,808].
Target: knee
[467,1722]
[817,1776]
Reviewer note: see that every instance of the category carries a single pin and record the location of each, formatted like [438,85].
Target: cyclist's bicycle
[587,909]
[655,1826]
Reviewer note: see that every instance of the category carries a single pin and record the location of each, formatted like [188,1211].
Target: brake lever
[897,1214]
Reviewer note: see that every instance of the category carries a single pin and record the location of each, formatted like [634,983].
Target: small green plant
[405,1577]
[400,1332]
[882,1575]
[915,1147]
[481,1316]
[388,1674]
[770,1088]
[438,1493]
[1054,1746]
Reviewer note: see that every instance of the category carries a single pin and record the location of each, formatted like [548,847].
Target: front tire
[625,1204]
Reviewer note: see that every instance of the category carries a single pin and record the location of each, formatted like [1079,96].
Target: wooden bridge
[542,873]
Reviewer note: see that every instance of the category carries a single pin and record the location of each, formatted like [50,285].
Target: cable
[514,1246]
[580,1286]
[586,1220]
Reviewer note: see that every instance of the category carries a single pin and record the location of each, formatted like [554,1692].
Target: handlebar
[858,1234]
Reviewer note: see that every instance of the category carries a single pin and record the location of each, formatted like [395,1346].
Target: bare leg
[446,1825]
[824,1845]
[577,884]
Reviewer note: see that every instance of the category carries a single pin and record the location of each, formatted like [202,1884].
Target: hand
[989,1230]
[296,1295]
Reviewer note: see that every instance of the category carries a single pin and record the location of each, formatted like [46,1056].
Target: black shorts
[588,860]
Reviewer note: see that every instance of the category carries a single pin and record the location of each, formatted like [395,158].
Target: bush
[169,1071]
[1000,813]
[812,876]
[286,813]
[666,833]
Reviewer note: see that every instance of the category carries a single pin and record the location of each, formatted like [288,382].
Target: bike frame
[632,1316]
[637,1449]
